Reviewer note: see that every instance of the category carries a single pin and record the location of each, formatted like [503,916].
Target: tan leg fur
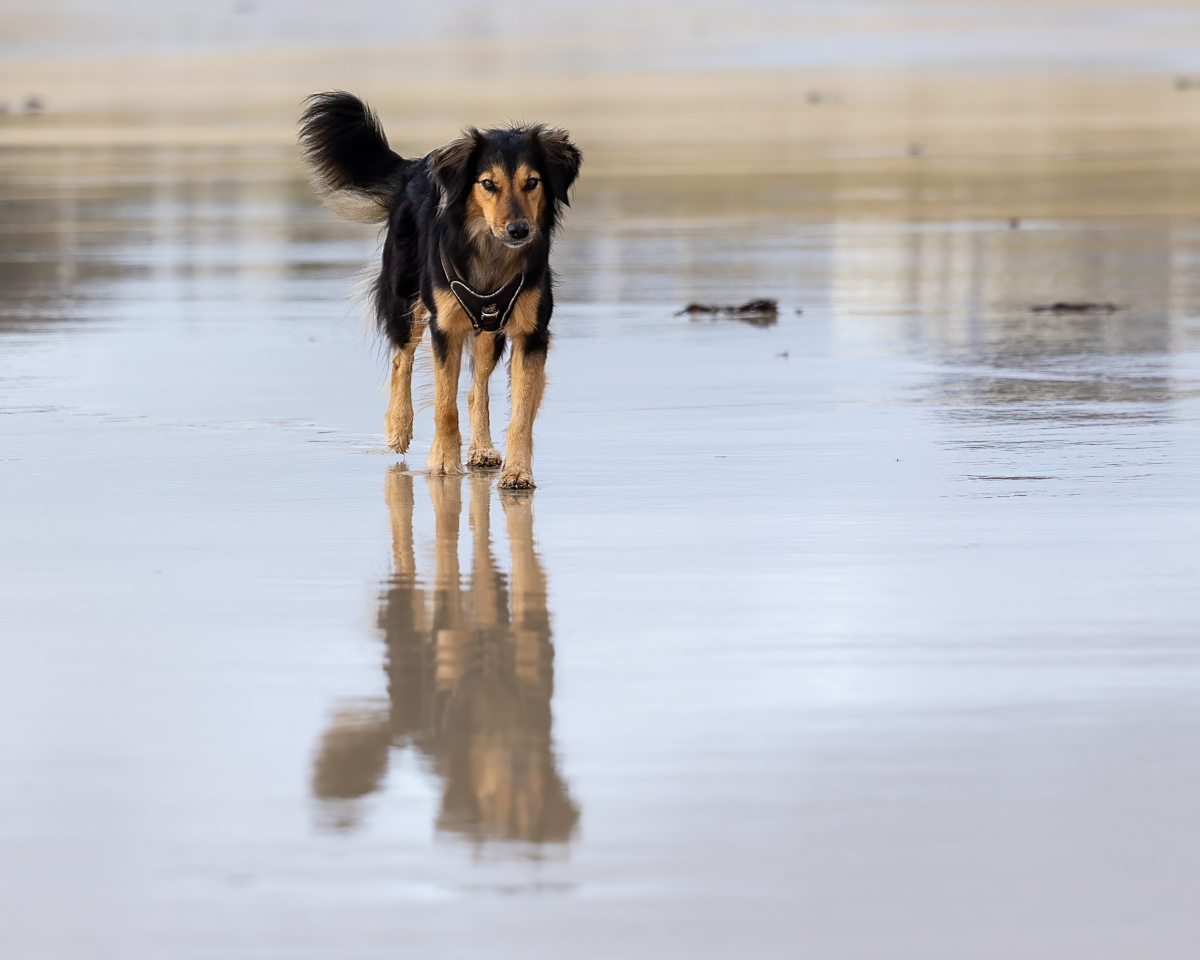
[528,373]
[398,423]
[481,453]
[445,456]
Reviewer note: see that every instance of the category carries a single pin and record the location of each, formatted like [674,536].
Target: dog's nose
[518,230]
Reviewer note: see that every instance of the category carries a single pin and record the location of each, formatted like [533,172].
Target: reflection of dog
[469,683]
[476,215]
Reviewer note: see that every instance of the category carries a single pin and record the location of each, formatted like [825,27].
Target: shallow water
[874,626]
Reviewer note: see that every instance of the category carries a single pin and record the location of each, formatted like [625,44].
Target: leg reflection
[470,678]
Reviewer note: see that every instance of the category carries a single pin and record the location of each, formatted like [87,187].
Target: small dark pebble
[799,312]
[1064,307]
[33,105]
[1014,223]
[915,149]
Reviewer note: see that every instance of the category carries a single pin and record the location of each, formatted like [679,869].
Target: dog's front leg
[445,456]
[481,452]
[528,371]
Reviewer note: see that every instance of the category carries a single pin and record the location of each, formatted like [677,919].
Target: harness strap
[488,311]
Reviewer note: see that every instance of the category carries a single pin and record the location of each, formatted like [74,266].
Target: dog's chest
[490,269]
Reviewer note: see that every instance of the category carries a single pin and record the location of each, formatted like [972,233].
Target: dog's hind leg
[528,373]
[485,351]
[398,423]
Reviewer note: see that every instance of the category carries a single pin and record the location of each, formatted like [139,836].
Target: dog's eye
[488,185]
[531,183]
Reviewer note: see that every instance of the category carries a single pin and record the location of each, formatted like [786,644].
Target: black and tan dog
[467,254]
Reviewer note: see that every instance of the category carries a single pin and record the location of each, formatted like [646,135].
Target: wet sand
[869,632]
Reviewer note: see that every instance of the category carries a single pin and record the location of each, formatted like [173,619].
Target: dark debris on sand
[1069,307]
[760,312]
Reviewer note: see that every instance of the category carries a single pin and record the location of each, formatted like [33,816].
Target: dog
[476,215]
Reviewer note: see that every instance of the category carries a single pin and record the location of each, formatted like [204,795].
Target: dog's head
[509,184]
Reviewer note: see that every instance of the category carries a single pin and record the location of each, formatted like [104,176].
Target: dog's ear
[563,160]
[451,165]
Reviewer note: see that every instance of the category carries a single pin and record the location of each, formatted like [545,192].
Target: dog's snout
[518,230]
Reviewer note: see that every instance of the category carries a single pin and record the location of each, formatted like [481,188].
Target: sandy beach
[867,632]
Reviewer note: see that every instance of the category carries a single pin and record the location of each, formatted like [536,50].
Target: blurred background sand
[762,87]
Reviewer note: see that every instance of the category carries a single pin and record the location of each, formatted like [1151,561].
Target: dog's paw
[398,435]
[444,464]
[398,442]
[517,479]
[485,458]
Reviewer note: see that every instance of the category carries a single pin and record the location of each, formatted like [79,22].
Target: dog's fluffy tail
[354,171]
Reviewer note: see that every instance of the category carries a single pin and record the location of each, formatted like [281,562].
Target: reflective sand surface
[869,633]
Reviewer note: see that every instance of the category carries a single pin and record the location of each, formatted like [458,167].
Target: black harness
[488,311]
